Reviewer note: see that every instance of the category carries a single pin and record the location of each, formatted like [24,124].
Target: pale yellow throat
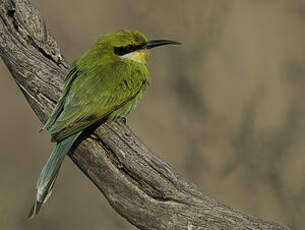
[139,56]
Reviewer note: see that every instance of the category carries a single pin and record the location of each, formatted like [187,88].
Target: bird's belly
[126,109]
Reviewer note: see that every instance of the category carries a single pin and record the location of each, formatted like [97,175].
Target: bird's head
[131,45]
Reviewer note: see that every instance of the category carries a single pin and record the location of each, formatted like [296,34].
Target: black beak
[156,43]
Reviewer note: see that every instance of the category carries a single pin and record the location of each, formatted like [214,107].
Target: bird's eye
[126,49]
[119,51]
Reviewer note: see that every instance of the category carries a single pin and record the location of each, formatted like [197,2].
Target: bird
[106,83]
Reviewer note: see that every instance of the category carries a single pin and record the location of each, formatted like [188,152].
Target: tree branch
[138,185]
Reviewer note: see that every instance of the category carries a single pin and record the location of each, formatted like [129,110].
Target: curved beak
[156,43]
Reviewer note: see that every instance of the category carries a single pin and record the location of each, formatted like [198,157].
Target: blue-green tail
[49,173]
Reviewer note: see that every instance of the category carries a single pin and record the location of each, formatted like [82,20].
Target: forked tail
[49,173]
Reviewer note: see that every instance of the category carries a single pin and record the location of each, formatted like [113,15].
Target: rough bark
[138,185]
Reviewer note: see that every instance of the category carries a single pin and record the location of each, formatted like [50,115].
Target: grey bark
[139,186]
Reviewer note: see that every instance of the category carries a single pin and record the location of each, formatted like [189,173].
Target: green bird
[106,83]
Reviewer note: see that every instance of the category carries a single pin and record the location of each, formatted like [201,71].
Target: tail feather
[49,173]
[35,209]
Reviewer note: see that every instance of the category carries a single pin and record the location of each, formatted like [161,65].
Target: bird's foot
[123,119]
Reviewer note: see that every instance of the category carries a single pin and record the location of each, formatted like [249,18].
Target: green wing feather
[72,74]
[90,96]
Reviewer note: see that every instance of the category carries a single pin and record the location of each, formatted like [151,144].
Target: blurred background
[226,109]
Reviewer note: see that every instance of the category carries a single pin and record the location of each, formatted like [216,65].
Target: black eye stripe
[127,49]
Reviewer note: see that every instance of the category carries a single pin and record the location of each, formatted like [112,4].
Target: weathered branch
[138,185]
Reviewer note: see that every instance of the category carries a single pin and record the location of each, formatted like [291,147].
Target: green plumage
[106,83]
[49,172]
[99,85]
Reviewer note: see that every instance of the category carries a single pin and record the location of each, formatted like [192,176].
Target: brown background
[226,109]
